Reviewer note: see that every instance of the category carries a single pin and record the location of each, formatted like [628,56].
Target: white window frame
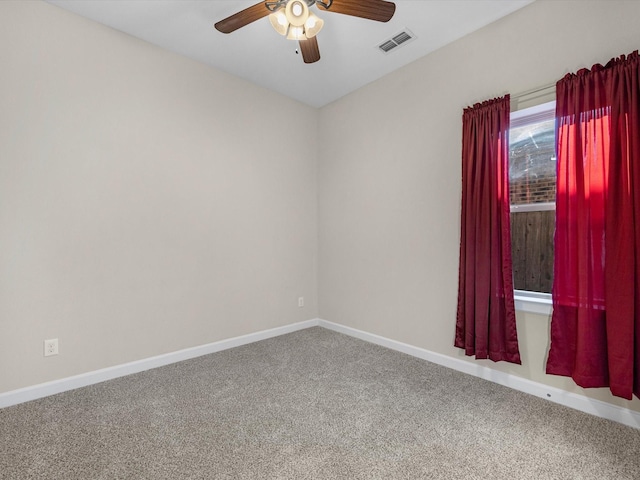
[527,301]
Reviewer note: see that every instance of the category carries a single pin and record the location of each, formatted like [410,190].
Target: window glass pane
[532,178]
[532,163]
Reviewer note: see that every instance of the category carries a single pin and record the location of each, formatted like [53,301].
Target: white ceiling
[348,45]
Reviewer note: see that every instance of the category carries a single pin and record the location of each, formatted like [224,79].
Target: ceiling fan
[293,19]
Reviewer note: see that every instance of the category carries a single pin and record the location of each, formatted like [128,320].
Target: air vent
[398,39]
[402,37]
[388,45]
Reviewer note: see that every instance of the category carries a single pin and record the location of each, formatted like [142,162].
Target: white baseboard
[34,392]
[568,399]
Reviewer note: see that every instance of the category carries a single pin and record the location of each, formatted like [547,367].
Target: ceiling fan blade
[309,49]
[378,10]
[242,18]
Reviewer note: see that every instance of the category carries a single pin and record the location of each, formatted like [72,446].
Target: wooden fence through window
[532,250]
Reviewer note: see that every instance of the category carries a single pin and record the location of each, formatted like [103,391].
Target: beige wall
[143,206]
[389,179]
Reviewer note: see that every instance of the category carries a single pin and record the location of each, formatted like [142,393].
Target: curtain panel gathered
[486,321]
[595,327]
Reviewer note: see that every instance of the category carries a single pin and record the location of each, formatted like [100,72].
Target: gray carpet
[313,404]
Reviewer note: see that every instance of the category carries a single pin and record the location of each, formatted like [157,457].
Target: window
[532,177]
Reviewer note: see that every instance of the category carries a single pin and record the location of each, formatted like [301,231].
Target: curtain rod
[520,95]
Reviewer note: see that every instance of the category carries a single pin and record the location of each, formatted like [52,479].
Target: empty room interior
[259,280]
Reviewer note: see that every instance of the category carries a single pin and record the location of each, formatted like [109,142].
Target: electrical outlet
[301,301]
[50,347]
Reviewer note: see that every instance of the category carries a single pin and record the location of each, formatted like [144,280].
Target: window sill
[533,302]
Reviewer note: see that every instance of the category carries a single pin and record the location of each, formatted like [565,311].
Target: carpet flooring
[313,404]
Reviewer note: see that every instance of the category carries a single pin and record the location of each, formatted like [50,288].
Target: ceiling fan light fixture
[297,12]
[313,25]
[296,33]
[279,22]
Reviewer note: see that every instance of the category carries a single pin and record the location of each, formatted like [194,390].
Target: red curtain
[486,320]
[595,327]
